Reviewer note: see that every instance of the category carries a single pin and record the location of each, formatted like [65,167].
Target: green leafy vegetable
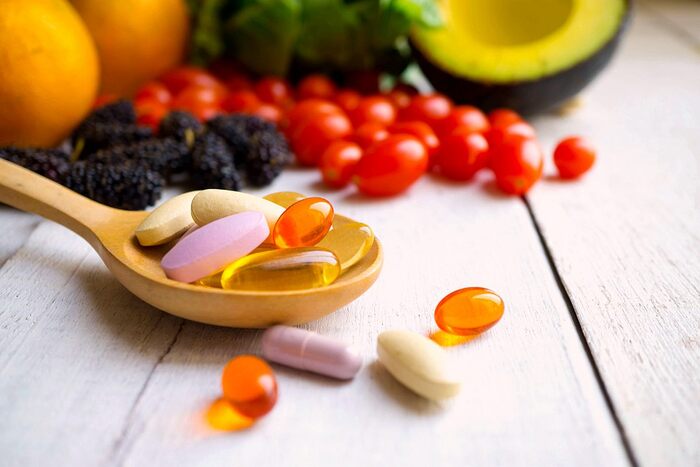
[269,36]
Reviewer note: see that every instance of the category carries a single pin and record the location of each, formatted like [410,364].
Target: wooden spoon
[111,233]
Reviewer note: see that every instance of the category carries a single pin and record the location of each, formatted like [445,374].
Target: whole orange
[137,40]
[49,71]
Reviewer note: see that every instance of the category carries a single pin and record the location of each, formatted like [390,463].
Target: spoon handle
[27,191]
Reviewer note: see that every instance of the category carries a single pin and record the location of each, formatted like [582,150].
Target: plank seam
[119,441]
[582,337]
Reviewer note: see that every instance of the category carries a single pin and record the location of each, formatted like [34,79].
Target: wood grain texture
[17,226]
[626,239]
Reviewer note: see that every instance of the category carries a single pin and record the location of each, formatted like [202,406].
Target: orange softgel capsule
[304,223]
[249,385]
[470,311]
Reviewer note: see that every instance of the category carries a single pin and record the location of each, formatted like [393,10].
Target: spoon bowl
[111,233]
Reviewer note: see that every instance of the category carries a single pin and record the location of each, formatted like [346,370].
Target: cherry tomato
[428,108]
[497,135]
[316,86]
[503,117]
[369,133]
[517,164]
[104,99]
[306,109]
[238,82]
[391,166]
[312,137]
[377,109]
[573,157]
[466,118]
[268,112]
[420,130]
[273,90]
[154,91]
[180,78]
[338,163]
[203,103]
[240,102]
[150,113]
[401,95]
[347,99]
[462,154]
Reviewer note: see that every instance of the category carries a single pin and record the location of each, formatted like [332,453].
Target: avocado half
[528,55]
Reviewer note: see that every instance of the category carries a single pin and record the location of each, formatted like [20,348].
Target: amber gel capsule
[283,269]
[249,385]
[284,198]
[350,242]
[469,311]
[309,351]
[304,223]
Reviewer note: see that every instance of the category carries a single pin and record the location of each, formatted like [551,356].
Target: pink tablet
[212,247]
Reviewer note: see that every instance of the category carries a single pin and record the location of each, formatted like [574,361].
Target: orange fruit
[49,71]
[137,40]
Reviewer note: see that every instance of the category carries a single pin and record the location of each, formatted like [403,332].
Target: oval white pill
[168,221]
[418,363]
[210,205]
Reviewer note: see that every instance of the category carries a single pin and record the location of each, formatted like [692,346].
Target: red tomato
[240,102]
[104,99]
[203,103]
[503,117]
[462,154]
[269,112]
[573,157]
[348,99]
[312,137]
[316,87]
[154,91]
[369,133]
[238,82]
[150,113]
[180,78]
[517,164]
[306,109]
[401,95]
[497,135]
[420,130]
[338,163]
[374,109]
[466,118]
[274,90]
[391,166]
[428,108]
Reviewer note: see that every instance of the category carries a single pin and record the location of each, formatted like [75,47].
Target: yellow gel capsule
[284,198]
[213,280]
[285,269]
[350,242]
[304,223]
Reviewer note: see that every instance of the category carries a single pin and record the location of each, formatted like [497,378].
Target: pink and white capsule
[309,351]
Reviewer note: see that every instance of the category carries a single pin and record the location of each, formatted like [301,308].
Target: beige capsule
[418,363]
[168,221]
[210,205]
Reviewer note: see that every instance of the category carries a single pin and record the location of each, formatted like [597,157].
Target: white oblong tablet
[168,221]
[418,363]
[210,205]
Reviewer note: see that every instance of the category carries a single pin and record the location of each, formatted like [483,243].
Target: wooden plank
[17,226]
[530,396]
[626,239]
[76,350]
[681,17]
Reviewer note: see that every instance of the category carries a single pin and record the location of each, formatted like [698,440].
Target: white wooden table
[596,361]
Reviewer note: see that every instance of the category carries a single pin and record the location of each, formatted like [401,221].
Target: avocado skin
[525,97]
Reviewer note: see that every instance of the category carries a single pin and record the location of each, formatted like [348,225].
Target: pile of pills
[233,240]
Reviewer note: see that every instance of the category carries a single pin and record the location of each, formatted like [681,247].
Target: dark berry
[213,165]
